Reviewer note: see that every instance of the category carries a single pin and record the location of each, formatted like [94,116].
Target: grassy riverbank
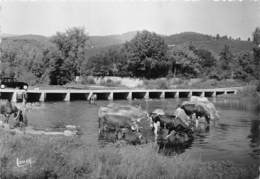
[160,83]
[61,157]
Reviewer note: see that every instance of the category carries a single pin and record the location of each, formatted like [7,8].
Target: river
[235,137]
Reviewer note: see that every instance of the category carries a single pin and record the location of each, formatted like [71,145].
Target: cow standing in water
[171,123]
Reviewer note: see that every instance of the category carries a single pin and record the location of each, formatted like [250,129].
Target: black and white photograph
[129,89]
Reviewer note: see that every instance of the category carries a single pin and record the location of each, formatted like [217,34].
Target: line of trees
[145,56]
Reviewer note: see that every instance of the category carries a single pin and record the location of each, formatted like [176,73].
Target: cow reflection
[255,133]
[170,149]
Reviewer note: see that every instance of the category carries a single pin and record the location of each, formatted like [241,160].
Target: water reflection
[255,139]
[174,149]
[255,133]
[223,127]
[238,104]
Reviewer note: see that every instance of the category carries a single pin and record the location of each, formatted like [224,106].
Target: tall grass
[69,157]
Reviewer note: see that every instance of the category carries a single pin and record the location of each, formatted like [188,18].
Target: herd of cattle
[136,126]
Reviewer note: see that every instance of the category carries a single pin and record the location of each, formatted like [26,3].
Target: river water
[235,137]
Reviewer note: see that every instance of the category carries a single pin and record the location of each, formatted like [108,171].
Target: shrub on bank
[88,80]
[110,83]
[160,83]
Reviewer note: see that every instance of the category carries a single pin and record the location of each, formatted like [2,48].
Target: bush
[110,83]
[163,84]
[160,83]
[88,80]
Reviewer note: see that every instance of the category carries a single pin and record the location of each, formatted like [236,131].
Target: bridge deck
[42,95]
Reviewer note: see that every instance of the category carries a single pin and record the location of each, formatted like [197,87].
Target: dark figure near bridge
[92,99]
[22,97]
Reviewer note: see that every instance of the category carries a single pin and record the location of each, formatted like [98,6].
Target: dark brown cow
[169,123]
[197,109]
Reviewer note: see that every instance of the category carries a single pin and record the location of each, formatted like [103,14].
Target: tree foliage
[108,63]
[71,46]
[18,59]
[256,61]
[59,59]
[256,36]
[244,66]
[146,55]
[184,61]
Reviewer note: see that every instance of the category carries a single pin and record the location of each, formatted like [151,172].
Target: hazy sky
[237,19]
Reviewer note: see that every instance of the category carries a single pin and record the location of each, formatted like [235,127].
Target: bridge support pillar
[214,94]
[42,97]
[14,97]
[225,92]
[177,95]
[67,97]
[86,96]
[235,92]
[202,94]
[146,96]
[89,95]
[162,96]
[190,94]
[111,96]
[129,96]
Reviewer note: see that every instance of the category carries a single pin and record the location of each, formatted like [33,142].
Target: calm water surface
[236,136]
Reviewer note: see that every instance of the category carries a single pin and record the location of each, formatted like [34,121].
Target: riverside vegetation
[59,59]
[60,157]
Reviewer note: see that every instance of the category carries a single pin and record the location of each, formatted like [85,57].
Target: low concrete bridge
[39,95]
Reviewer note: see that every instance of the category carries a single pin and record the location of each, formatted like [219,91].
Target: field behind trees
[57,60]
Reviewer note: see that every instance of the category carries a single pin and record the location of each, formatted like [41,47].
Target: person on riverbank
[92,99]
[25,97]
[20,119]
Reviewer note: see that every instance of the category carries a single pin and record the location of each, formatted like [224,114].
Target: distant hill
[94,41]
[94,51]
[208,42]
[186,37]
[7,35]
[104,41]
[36,41]
[99,43]
[26,37]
